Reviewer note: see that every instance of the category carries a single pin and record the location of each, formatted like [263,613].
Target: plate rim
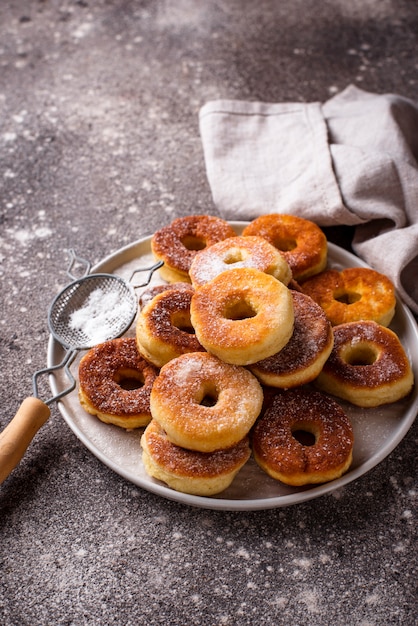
[110,264]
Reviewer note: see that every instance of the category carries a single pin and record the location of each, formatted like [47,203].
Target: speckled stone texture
[99,145]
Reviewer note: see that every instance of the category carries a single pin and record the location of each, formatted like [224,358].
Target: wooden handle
[16,437]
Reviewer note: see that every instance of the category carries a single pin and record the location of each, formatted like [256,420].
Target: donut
[115,383]
[242,315]
[153,290]
[304,437]
[205,404]
[302,242]
[190,471]
[303,357]
[239,252]
[368,365]
[163,327]
[294,285]
[352,294]
[178,243]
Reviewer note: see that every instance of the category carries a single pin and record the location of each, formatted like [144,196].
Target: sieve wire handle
[151,269]
[65,364]
[75,261]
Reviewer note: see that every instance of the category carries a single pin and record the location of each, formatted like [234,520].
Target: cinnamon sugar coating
[191,471]
[163,328]
[368,365]
[154,290]
[302,358]
[279,452]
[178,243]
[102,371]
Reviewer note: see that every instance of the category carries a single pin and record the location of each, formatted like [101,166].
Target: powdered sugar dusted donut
[281,438]
[242,315]
[237,252]
[205,404]
[190,471]
[178,243]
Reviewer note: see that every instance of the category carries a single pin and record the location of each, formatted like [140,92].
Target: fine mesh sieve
[93,294]
[91,309]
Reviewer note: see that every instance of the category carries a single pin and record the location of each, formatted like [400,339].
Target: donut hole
[305,434]
[129,379]
[193,243]
[304,437]
[181,321]
[208,395]
[361,355]
[235,256]
[285,244]
[239,310]
[347,297]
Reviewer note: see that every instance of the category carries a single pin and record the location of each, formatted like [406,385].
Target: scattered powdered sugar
[213,264]
[101,316]
[187,368]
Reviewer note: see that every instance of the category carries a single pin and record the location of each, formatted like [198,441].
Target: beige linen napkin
[351,161]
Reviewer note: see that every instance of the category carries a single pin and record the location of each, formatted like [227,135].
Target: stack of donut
[228,348]
[203,410]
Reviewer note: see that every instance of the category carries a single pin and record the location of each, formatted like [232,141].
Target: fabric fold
[260,156]
[350,161]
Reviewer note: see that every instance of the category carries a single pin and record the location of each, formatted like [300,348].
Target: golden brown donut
[242,315]
[163,327]
[190,471]
[205,404]
[104,373]
[239,252]
[302,242]
[304,437]
[368,365]
[352,294]
[178,243]
[303,357]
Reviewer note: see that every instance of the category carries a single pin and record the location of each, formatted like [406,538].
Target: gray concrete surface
[99,145]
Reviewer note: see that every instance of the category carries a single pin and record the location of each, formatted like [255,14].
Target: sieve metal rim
[73,287]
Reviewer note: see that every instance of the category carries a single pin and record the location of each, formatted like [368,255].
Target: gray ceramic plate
[377,431]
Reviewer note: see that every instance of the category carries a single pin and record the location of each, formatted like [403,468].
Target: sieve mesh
[92,309]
